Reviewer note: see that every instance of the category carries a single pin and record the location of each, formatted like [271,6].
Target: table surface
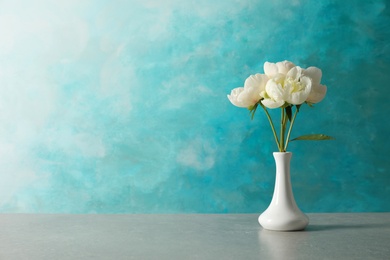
[191,236]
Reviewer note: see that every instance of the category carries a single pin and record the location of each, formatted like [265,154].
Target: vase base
[294,223]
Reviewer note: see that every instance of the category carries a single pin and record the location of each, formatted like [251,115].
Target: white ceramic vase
[283,213]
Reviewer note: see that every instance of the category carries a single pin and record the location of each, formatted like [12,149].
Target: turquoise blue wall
[121,107]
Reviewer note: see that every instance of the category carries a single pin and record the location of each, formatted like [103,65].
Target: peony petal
[234,95]
[244,97]
[297,98]
[314,73]
[274,90]
[249,97]
[317,93]
[272,103]
[250,81]
[284,66]
[295,73]
[270,69]
[298,91]
[256,81]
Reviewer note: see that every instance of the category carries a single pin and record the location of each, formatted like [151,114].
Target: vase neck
[282,156]
[283,191]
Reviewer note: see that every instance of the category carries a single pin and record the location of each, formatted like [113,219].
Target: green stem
[281,131]
[272,126]
[290,128]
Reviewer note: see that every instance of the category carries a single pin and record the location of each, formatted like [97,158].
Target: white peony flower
[318,91]
[283,85]
[274,95]
[249,95]
[292,88]
[273,69]
[297,85]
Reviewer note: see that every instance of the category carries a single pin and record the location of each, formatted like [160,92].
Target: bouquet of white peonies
[286,86]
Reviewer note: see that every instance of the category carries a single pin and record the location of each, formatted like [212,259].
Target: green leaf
[252,110]
[309,104]
[289,113]
[313,137]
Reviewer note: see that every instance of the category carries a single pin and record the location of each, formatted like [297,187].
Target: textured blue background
[120,106]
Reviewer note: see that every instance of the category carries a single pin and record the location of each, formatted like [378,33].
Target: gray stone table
[192,236]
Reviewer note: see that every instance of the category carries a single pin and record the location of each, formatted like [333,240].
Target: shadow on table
[345,226]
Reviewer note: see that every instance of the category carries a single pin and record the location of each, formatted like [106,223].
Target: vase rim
[281,152]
